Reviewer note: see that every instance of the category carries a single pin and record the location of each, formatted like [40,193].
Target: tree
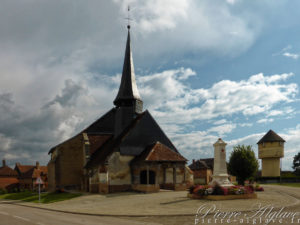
[242,163]
[296,164]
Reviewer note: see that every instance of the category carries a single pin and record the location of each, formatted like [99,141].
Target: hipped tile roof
[160,152]
[7,182]
[6,171]
[271,136]
[28,171]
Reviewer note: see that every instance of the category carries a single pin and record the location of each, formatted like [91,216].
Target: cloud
[291,55]
[286,53]
[265,120]
[218,122]
[223,129]
[29,137]
[173,101]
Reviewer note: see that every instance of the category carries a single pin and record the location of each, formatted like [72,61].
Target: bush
[218,190]
[191,189]
[259,189]
[3,191]
[242,163]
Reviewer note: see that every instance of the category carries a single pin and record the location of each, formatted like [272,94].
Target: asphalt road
[19,215]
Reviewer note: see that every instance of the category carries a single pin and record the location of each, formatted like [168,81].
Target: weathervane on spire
[128,17]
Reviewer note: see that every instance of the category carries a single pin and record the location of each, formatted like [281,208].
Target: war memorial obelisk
[220,174]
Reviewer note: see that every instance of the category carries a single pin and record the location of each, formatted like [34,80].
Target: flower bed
[218,192]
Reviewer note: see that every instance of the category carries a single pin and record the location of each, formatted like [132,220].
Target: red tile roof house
[8,178]
[27,175]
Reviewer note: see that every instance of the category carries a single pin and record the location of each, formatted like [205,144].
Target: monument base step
[223,197]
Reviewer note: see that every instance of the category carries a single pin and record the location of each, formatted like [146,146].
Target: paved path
[172,208]
[162,203]
[19,215]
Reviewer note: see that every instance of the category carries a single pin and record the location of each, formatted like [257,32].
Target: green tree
[242,163]
[296,164]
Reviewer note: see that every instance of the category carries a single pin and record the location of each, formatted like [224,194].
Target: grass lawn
[28,196]
[288,184]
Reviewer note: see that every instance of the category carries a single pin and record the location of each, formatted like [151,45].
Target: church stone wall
[70,162]
[51,176]
[179,175]
[119,169]
[169,176]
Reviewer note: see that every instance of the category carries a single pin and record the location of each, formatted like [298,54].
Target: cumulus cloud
[175,102]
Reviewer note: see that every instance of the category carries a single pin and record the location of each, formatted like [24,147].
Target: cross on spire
[128,17]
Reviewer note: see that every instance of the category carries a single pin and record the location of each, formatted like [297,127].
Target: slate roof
[142,132]
[6,171]
[104,125]
[271,136]
[146,131]
[128,90]
[207,163]
[158,152]
[197,165]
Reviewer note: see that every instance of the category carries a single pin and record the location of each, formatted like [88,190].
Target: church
[124,150]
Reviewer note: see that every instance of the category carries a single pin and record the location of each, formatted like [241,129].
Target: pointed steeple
[128,94]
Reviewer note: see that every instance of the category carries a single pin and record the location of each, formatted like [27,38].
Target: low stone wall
[167,186]
[223,197]
[180,187]
[103,188]
[94,188]
[119,188]
[146,188]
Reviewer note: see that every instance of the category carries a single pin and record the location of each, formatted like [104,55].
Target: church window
[143,177]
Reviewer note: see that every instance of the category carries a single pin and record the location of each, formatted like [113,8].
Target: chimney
[3,162]
[37,165]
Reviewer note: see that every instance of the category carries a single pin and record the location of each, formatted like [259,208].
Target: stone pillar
[157,175]
[220,168]
[174,175]
[147,174]
[164,174]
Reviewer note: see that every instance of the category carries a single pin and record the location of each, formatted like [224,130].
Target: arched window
[143,177]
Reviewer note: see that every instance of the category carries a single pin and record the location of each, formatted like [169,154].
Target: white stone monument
[220,174]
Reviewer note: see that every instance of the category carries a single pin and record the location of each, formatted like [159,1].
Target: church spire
[128,94]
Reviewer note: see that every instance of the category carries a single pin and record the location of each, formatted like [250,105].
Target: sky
[204,69]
